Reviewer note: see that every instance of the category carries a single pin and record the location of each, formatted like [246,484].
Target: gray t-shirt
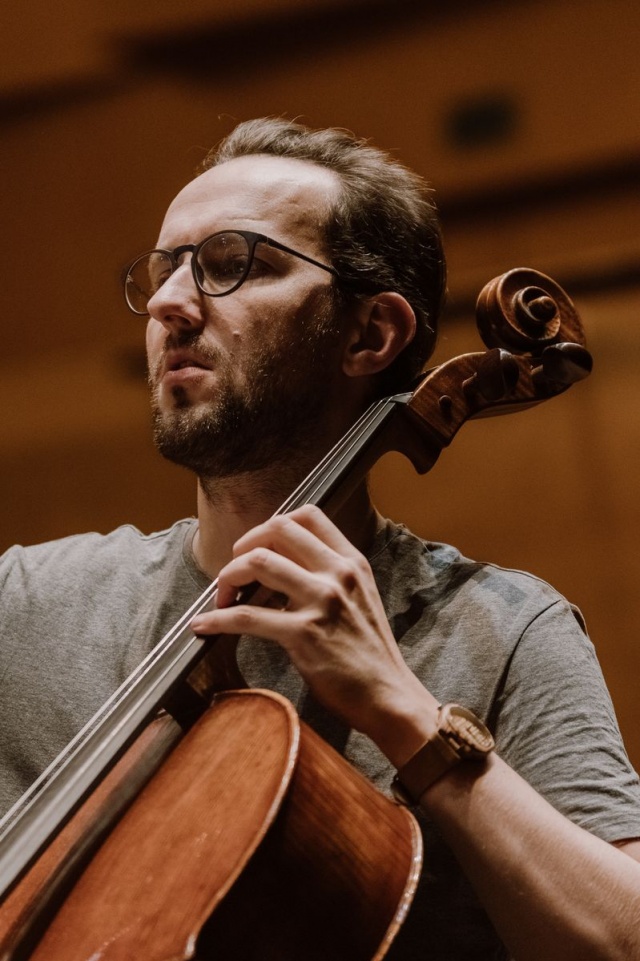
[79,614]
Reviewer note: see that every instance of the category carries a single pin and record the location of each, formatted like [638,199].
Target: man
[295,279]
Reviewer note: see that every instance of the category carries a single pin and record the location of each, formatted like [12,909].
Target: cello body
[255,840]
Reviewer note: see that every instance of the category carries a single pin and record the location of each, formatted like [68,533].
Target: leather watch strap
[460,736]
[429,763]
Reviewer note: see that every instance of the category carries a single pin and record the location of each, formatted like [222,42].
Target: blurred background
[525,116]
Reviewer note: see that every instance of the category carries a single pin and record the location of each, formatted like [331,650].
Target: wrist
[459,737]
[403,725]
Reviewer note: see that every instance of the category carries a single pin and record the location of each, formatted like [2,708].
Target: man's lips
[180,360]
[180,366]
[187,363]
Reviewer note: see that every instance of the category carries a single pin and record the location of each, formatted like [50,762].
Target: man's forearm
[553,891]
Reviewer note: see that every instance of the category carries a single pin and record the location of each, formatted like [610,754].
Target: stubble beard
[270,417]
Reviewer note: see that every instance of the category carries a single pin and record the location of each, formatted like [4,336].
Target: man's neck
[231,507]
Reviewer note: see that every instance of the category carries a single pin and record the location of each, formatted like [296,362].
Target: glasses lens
[223,262]
[145,277]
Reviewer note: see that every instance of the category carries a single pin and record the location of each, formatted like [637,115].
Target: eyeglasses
[220,264]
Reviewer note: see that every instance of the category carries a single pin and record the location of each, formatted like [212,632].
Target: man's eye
[223,266]
[234,267]
[259,267]
[158,279]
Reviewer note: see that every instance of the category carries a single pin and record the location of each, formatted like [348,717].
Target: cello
[63,904]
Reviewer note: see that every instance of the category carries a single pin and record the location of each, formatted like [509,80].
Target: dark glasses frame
[252,239]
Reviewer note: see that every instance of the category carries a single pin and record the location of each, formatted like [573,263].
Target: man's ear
[381,327]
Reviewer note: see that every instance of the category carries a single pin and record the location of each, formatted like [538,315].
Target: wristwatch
[460,736]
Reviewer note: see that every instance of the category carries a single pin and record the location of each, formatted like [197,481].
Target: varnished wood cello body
[64,909]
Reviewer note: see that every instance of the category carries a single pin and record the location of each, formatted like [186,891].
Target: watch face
[468,729]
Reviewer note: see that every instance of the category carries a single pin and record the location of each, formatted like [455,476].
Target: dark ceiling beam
[615,175]
[614,178]
[603,279]
[275,38]
[31,103]
[247,47]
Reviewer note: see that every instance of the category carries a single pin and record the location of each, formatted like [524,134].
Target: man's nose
[177,304]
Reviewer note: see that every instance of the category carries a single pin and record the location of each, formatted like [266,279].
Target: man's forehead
[258,190]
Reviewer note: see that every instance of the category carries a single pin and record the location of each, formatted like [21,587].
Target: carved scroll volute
[536,350]
[525,311]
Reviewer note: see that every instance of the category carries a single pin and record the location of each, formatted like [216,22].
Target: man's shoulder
[93,552]
[404,561]
[459,622]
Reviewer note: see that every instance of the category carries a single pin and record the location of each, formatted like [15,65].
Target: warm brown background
[107,108]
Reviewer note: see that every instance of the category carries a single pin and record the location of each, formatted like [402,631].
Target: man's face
[239,381]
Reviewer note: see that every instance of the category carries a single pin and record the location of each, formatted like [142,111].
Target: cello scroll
[536,350]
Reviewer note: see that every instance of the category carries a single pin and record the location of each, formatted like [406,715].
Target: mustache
[191,340]
[185,340]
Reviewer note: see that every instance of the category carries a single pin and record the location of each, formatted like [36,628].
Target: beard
[270,416]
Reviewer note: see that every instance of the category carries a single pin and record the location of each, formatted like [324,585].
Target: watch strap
[460,735]
[430,762]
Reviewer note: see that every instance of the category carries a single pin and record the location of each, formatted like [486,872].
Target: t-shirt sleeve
[555,724]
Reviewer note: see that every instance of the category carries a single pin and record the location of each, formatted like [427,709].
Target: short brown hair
[383,231]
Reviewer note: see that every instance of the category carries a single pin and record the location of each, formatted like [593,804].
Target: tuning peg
[564,364]
[495,378]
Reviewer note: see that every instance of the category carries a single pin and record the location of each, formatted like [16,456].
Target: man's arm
[552,889]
